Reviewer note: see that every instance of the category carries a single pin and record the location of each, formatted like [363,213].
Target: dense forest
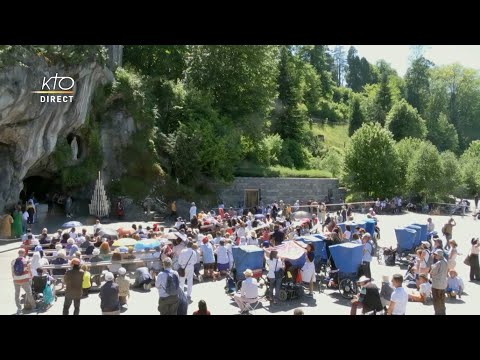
[211,112]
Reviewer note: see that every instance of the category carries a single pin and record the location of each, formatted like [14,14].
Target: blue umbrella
[146,244]
[71,224]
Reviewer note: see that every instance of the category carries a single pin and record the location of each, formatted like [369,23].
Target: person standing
[308,269]
[474,264]
[167,284]
[17,222]
[73,280]
[68,206]
[193,210]
[275,275]
[173,208]
[109,294]
[6,225]
[439,273]
[367,255]
[187,260]
[399,298]
[24,221]
[447,229]
[22,280]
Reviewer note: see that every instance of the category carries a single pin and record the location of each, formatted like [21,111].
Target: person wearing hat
[73,280]
[123,287]
[368,299]
[455,285]
[425,290]
[110,303]
[438,273]
[248,293]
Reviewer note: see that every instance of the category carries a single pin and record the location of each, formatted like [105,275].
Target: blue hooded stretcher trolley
[348,258]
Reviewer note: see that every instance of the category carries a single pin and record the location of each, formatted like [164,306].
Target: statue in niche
[74,146]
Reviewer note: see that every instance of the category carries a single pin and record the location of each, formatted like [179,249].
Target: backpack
[172,285]
[18,267]
[430,259]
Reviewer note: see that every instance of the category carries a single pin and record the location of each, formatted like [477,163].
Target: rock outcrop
[29,128]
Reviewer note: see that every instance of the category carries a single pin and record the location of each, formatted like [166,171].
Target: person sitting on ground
[123,287]
[248,293]
[411,277]
[143,278]
[455,285]
[86,284]
[202,308]
[425,290]
[368,299]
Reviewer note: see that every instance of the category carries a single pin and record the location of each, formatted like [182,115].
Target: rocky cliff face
[29,128]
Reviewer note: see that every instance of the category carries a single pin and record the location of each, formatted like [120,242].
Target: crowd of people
[205,243]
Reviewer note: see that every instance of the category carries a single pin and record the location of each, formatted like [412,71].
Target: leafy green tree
[353,73]
[333,162]
[443,134]
[452,178]
[291,116]
[318,57]
[371,162]
[166,61]
[383,101]
[417,83]
[406,149]
[242,81]
[424,171]
[470,167]
[404,121]
[356,118]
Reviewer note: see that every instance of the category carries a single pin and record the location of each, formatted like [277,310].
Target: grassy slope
[335,136]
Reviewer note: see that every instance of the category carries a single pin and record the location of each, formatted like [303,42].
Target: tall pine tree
[356,117]
[383,101]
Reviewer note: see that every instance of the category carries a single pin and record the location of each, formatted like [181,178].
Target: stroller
[406,239]
[42,291]
[348,259]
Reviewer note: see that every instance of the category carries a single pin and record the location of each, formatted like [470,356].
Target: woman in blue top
[308,269]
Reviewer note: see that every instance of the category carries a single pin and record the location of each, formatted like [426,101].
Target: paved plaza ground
[328,303]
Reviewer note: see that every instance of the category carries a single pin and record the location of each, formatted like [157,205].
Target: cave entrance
[40,186]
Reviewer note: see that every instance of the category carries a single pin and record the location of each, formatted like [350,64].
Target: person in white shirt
[248,294]
[275,275]
[97,226]
[223,258]
[399,298]
[193,210]
[347,233]
[252,238]
[187,260]
[430,225]
[425,290]
[73,234]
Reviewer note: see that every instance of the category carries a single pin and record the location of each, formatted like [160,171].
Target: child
[86,284]
[123,287]
[454,285]
[425,290]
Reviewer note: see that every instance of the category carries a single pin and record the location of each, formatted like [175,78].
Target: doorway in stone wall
[252,197]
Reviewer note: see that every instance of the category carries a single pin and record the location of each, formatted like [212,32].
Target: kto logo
[59,85]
